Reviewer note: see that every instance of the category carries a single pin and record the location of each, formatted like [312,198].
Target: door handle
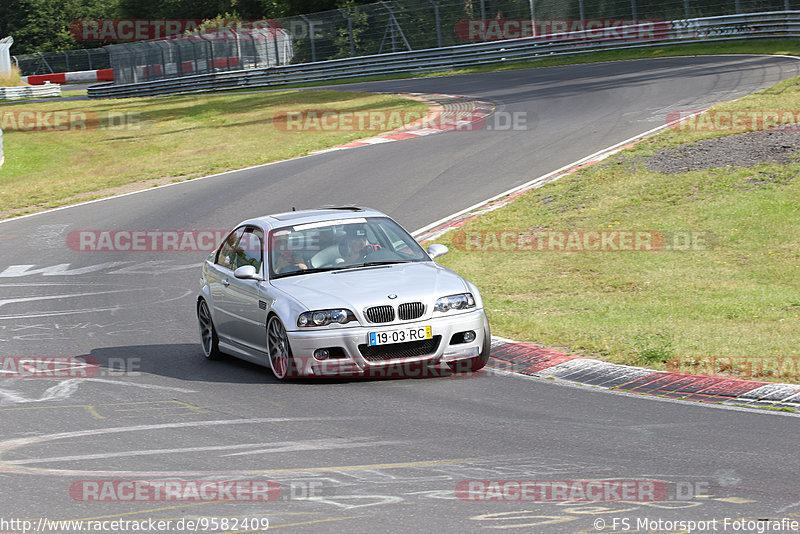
[225,282]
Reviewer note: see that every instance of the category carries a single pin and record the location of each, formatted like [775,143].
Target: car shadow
[185,361]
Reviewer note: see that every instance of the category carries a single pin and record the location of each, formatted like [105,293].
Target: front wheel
[208,334]
[280,354]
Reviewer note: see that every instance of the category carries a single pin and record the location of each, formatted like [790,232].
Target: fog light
[469,336]
[321,354]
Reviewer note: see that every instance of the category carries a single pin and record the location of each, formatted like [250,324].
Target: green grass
[168,138]
[737,296]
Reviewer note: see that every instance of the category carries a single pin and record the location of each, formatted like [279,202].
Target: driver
[358,247]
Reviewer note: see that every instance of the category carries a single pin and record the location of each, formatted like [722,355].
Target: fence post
[686,8]
[311,38]
[276,33]
[533,17]
[438,24]
[634,15]
[350,31]
[581,14]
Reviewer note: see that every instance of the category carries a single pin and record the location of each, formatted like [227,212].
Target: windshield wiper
[307,271]
[373,264]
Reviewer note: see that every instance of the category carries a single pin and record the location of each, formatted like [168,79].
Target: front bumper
[352,360]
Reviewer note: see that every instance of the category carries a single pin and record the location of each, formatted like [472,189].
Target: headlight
[455,302]
[325,317]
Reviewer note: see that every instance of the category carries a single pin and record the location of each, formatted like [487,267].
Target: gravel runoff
[739,150]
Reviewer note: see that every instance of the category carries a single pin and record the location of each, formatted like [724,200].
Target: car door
[218,274]
[248,312]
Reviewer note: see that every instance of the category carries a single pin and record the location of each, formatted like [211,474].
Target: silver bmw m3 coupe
[338,292]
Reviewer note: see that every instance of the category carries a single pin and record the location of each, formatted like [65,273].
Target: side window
[249,249]
[226,254]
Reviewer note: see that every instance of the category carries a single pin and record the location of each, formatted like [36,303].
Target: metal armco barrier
[31,91]
[779,24]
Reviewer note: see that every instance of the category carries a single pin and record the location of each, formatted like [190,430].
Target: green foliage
[42,25]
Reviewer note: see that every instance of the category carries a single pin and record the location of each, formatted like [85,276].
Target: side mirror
[436,250]
[246,272]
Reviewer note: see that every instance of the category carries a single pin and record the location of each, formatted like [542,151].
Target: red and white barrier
[81,76]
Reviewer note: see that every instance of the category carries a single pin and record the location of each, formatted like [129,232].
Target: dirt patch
[739,150]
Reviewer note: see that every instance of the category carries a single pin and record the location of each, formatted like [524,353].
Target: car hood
[362,287]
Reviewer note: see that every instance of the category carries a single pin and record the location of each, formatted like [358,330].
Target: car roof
[328,213]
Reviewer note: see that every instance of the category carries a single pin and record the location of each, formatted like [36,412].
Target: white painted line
[12,444]
[281,446]
[532,184]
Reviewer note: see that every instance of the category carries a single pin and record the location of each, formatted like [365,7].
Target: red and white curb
[81,76]
[469,113]
[535,360]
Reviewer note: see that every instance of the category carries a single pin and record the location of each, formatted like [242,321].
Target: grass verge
[12,79]
[726,304]
[164,139]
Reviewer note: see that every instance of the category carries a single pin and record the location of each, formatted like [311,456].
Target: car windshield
[340,244]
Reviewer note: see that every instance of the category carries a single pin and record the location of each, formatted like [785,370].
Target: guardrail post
[311,38]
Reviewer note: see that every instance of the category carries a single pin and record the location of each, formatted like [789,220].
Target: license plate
[401,335]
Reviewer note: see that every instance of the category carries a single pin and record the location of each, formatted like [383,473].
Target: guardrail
[2,157]
[778,24]
[30,91]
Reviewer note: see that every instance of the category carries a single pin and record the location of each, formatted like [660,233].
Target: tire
[280,353]
[208,334]
[478,362]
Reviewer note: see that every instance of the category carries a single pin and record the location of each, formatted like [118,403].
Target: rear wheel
[208,334]
[280,354]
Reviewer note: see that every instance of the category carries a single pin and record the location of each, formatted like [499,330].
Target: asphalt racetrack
[415,455]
